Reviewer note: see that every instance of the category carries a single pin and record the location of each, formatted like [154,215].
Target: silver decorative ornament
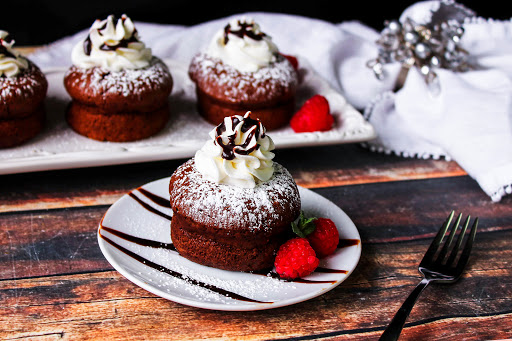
[425,70]
[394,27]
[422,50]
[428,47]
[434,61]
[411,37]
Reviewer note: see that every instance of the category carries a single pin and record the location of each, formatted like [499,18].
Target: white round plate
[134,236]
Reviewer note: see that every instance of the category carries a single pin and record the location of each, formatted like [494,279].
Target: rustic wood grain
[312,168]
[56,284]
[72,304]
[26,50]
[50,242]
[53,240]
[351,164]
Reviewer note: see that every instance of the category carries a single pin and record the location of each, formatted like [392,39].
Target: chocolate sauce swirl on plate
[149,207]
[155,198]
[138,240]
[163,202]
[176,274]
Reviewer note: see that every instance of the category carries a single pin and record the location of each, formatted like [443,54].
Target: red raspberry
[293,60]
[321,233]
[314,115]
[325,238]
[295,259]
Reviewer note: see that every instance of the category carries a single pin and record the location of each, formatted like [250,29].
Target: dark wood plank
[316,167]
[389,211]
[70,294]
[361,306]
[49,242]
[53,240]
[343,165]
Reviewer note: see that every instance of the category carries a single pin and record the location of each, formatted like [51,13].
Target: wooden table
[56,283]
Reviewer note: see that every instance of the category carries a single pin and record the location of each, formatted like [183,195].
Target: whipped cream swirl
[242,45]
[112,44]
[11,62]
[239,154]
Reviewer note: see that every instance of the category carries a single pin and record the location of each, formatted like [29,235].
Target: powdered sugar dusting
[248,285]
[217,78]
[22,85]
[127,82]
[209,203]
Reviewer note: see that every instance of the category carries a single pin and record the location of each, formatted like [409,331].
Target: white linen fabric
[470,121]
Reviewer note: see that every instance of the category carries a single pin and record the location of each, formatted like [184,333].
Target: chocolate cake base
[229,227]
[16,131]
[202,245]
[121,106]
[272,118]
[23,94]
[129,90]
[115,127]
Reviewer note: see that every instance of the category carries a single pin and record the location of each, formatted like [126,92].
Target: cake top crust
[268,205]
[22,93]
[273,83]
[100,82]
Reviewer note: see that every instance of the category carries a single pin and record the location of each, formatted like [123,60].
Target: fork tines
[430,255]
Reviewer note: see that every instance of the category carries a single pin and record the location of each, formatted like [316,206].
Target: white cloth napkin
[470,121]
[317,41]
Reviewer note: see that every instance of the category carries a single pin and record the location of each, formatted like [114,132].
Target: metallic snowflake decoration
[427,46]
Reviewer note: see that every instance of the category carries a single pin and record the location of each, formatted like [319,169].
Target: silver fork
[436,266]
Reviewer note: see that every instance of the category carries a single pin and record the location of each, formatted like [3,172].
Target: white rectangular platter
[59,147]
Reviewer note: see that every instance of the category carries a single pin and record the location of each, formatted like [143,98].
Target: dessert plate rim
[191,284]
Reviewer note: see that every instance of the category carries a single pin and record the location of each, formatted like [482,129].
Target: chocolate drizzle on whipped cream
[252,127]
[239,153]
[246,29]
[123,43]
[242,45]
[12,62]
[5,52]
[112,44]
[87,45]
[3,48]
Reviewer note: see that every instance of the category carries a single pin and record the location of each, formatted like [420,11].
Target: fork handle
[394,329]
